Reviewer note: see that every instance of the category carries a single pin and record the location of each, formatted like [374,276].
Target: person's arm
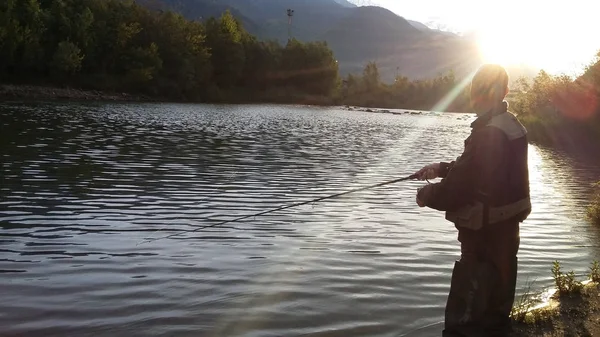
[445,168]
[456,189]
[435,170]
[463,177]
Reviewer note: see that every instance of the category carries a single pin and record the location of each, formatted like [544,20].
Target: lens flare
[577,100]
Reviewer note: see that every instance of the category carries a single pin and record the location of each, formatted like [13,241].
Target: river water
[83,188]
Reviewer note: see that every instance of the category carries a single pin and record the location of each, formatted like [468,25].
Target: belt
[503,213]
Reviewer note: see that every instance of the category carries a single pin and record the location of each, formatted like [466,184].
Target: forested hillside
[116,45]
[121,46]
[357,35]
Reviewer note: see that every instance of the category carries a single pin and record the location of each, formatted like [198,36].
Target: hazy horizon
[537,33]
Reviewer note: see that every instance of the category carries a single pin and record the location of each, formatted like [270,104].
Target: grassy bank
[573,310]
[593,212]
[563,133]
[571,315]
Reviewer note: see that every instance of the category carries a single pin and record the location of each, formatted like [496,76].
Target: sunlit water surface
[84,185]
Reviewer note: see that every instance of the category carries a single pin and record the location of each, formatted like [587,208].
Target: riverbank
[563,133]
[572,310]
[593,211]
[30,92]
[34,92]
[271,96]
[564,315]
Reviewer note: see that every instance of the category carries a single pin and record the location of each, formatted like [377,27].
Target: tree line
[561,110]
[120,46]
[443,93]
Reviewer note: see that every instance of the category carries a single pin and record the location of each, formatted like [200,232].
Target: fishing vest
[479,213]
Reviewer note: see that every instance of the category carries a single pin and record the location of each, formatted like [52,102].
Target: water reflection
[83,184]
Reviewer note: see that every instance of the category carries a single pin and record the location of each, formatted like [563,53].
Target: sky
[558,36]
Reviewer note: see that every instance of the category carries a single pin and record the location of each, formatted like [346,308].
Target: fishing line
[202,200]
[420,328]
[411,177]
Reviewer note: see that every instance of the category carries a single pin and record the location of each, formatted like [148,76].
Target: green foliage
[308,67]
[21,28]
[565,283]
[224,40]
[593,211]
[119,45]
[595,272]
[560,110]
[557,275]
[523,305]
[371,78]
[443,93]
[572,284]
[144,64]
[67,58]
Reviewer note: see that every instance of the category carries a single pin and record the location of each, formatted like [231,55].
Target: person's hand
[419,201]
[430,171]
[422,194]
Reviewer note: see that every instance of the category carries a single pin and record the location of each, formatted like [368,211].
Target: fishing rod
[411,177]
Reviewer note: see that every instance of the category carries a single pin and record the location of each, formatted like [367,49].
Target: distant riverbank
[271,96]
[33,92]
[30,92]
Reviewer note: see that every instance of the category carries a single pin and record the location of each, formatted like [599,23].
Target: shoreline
[575,314]
[54,93]
[571,309]
[39,92]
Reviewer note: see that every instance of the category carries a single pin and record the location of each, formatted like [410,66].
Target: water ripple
[84,186]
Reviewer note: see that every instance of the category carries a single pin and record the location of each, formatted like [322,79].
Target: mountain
[310,17]
[377,34]
[203,9]
[345,3]
[418,25]
[369,33]
[356,34]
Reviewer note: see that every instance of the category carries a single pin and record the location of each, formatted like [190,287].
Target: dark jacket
[492,169]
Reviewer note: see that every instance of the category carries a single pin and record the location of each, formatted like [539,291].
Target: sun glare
[558,39]
[537,51]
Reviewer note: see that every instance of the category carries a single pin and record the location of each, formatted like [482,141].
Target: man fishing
[485,193]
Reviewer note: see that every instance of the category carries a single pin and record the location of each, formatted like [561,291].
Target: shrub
[565,283]
[595,272]
[593,211]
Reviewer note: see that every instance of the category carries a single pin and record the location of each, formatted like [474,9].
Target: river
[84,186]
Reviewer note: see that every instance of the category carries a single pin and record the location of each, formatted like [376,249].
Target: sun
[495,48]
[550,40]
[541,51]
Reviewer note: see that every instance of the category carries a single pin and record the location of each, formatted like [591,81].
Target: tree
[186,67]
[67,58]
[21,28]
[144,64]
[310,68]
[371,76]
[263,61]
[224,39]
